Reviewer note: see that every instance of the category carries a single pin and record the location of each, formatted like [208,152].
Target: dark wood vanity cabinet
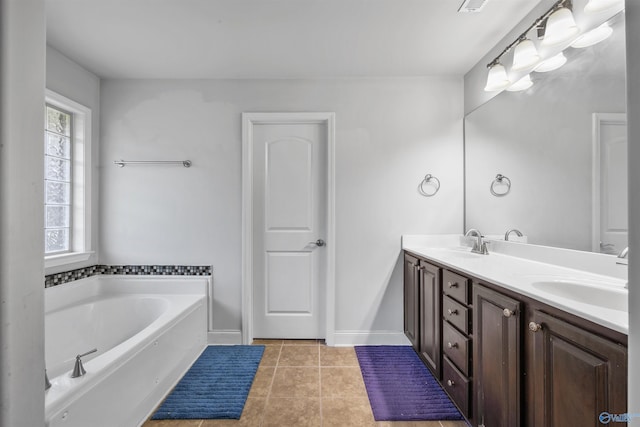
[497,323]
[576,375]
[507,360]
[422,308]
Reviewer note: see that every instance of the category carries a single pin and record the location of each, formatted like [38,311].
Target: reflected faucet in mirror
[479,247]
[513,230]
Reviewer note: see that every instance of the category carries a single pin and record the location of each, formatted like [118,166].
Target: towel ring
[427,179]
[500,180]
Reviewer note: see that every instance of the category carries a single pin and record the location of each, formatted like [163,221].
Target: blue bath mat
[401,388]
[216,386]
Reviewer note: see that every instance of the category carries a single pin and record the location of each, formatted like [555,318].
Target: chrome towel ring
[429,179]
[500,181]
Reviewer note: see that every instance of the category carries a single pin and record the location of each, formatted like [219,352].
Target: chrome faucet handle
[624,253]
[78,369]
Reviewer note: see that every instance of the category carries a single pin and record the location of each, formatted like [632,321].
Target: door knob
[318,242]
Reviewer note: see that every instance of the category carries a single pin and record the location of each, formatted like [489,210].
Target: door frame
[249,120]
[597,120]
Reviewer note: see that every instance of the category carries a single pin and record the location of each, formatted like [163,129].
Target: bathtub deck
[305,383]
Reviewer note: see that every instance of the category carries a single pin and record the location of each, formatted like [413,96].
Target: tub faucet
[78,369]
[624,253]
[479,247]
[513,230]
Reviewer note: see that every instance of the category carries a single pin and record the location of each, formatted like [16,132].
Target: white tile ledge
[67,258]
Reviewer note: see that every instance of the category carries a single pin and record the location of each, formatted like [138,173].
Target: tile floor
[305,383]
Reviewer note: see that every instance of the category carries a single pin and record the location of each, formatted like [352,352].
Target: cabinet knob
[452,312]
[534,327]
[452,285]
[452,345]
[450,383]
[507,313]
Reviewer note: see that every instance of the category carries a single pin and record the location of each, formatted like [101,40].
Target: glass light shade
[497,78]
[552,63]
[525,55]
[593,37]
[522,84]
[595,6]
[560,28]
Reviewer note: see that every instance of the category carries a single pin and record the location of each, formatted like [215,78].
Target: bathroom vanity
[508,346]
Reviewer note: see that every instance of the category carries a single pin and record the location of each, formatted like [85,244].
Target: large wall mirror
[563,145]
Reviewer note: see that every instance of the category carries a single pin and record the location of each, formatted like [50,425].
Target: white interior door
[289,229]
[610,144]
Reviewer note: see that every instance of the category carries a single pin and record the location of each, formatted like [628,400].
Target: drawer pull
[507,313]
[534,327]
[450,383]
[452,345]
[452,285]
[452,312]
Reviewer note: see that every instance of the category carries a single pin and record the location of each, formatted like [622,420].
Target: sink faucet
[513,230]
[479,247]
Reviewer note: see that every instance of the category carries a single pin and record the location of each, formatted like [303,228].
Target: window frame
[81,180]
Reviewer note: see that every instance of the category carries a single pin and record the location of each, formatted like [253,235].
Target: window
[67,181]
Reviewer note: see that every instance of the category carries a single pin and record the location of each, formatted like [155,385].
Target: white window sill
[64,259]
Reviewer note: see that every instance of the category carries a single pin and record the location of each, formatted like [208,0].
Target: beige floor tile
[270,355]
[292,412]
[299,355]
[301,342]
[251,415]
[347,411]
[266,342]
[296,382]
[338,356]
[342,382]
[172,423]
[262,382]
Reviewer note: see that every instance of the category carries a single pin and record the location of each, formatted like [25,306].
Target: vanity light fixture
[522,84]
[497,78]
[593,37]
[595,6]
[552,63]
[560,27]
[525,55]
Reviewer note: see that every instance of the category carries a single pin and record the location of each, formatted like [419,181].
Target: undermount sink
[599,296]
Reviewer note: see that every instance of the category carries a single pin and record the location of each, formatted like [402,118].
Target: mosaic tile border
[135,270]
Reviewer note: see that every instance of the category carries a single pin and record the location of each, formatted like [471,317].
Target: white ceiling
[277,38]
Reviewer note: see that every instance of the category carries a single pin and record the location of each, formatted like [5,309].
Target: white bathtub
[148,331]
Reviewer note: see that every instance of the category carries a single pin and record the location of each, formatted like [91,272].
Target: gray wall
[633,117]
[68,79]
[22,52]
[390,133]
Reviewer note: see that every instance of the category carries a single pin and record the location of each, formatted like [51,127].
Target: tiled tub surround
[148,331]
[522,267]
[137,270]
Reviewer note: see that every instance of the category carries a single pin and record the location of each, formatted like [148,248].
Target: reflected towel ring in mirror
[497,183]
[433,181]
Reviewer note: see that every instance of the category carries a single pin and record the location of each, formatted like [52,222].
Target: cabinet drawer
[455,313]
[457,347]
[456,286]
[457,386]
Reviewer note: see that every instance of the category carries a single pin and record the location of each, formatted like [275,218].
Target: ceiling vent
[472,5]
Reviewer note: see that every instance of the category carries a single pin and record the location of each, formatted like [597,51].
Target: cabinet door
[496,358]
[411,301]
[430,331]
[577,375]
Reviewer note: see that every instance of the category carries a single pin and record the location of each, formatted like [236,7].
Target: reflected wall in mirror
[562,143]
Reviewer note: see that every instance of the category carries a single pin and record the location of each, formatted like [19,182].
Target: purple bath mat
[401,388]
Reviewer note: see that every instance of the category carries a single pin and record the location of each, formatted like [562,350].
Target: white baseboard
[224,337]
[351,338]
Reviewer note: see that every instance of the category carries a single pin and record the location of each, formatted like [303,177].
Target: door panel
[289,212]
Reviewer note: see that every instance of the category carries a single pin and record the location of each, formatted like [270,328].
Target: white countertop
[599,298]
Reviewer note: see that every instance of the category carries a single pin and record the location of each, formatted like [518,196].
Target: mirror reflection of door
[610,221]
